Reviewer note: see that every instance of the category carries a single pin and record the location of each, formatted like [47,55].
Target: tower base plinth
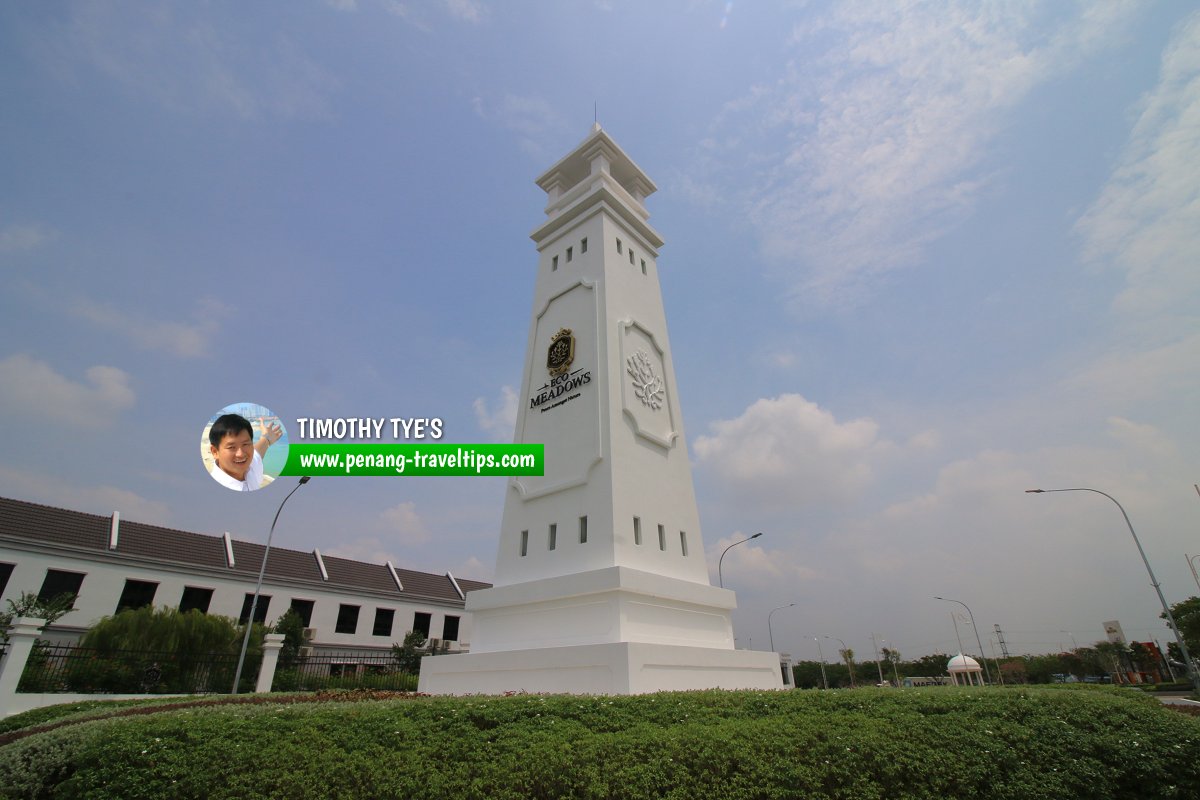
[616,668]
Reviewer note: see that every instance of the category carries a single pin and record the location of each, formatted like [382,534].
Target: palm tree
[848,656]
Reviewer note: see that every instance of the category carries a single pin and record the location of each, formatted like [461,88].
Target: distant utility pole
[1003,645]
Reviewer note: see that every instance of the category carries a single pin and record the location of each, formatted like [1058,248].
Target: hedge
[914,743]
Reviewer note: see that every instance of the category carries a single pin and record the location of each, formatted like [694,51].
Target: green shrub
[298,679]
[922,743]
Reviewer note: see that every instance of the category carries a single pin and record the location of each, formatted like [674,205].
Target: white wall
[106,575]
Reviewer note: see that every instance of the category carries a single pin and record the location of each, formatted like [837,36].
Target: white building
[110,563]
[601,581]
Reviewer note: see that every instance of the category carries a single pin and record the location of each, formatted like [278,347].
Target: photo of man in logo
[234,459]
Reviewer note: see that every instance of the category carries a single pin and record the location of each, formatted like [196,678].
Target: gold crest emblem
[561,353]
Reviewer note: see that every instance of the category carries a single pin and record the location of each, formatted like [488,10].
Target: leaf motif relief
[647,386]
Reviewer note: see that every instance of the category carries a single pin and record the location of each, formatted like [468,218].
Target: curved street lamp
[1187,659]
[982,655]
[237,677]
[720,577]
[770,632]
[824,680]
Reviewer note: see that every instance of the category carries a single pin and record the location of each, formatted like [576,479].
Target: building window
[260,610]
[583,246]
[60,582]
[570,254]
[524,543]
[347,621]
[618,247]
[631,255]
[683,542]
[421,622]
[303,609]
[450,629]
[583,530]
[553,535]
[195,599]
[643,266]
[637,530]
[383,622]
[136,594]
[5,573]
[662,538]
[554,264]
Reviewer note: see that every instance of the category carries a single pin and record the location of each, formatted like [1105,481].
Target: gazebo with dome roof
[966,668]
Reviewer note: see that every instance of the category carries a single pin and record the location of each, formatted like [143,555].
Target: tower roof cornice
[598,152]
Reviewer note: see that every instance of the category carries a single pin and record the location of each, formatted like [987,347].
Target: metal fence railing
[86,670]
[348,670]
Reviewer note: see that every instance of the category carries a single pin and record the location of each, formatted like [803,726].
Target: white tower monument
[601,584]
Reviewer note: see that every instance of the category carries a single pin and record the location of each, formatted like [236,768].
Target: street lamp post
[982,655]
[1187,659]
[824,679]
[1192,563]
[720,577]
[237,678]
[878,664]
[770,632]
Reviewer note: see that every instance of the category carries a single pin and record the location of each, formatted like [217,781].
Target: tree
[30,605]
[408,655]
[292,628]
[168,630]
[162,649]
[930,666]
[848,657]
[1111,655]
[1187,618]
[893,657]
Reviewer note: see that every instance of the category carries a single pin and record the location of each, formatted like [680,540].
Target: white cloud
[17,238]
[34,388]
[501,422]
[474,569]
[1146,220]
[467,10]
[1141,437]
[51,490]
[404,524]
[369,549]
[754,563]
[534,120]
[788,449]
[1128,375]
[183,339]
[174,56]
[867,149]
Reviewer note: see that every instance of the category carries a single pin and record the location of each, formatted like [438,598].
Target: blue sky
[918,260]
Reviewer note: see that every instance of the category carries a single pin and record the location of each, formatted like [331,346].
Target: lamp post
[849,664]
[237,678]
[824,680]
[982,655]
[1074,644]
[878,664]
[770,632]
[720,577]
[1187,659]
[1192,563]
